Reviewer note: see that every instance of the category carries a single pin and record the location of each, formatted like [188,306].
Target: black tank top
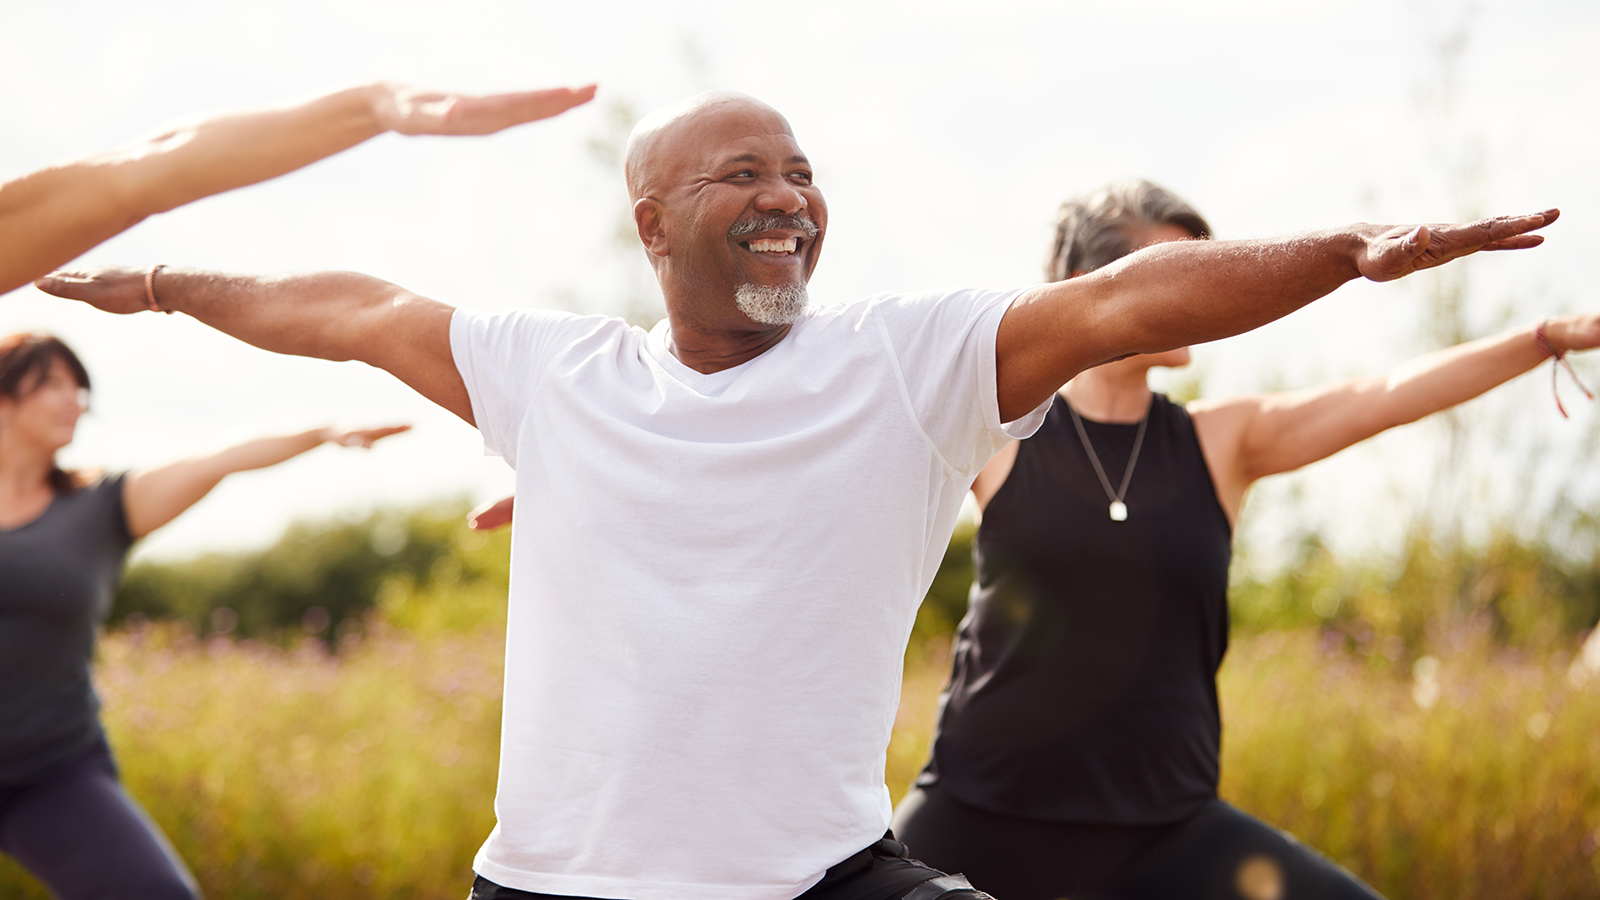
[1084,685]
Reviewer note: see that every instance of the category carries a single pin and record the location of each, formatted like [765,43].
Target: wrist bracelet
[150,289]
[1558,362]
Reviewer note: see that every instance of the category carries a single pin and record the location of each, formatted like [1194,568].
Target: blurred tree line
[425,567]
[325,577]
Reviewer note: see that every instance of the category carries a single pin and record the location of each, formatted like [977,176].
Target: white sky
[944,136]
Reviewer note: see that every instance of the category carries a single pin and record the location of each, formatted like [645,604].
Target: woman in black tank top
[1078,742]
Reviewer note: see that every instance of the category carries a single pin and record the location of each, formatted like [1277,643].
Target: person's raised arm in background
[355,316]
[153,497]
[49,217]
[1248,438]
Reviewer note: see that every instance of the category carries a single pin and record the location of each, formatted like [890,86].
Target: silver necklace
[1119,510]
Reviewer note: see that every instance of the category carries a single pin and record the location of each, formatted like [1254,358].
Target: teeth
[786,245]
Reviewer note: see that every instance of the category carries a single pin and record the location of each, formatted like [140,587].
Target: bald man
[739,510]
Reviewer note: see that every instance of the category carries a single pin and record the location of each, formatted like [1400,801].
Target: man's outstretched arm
[50,216]
[1189,292]
[328,315]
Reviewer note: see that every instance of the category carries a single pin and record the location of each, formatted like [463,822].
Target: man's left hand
[1400,251]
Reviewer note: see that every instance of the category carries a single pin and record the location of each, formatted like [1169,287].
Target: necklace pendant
[1119,511]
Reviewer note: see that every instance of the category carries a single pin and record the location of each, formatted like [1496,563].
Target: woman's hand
[362,437]
[410,110]
[492,515]
[1577,332]
[153,497]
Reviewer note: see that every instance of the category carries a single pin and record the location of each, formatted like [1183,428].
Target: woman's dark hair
[1096,229]
[24,365]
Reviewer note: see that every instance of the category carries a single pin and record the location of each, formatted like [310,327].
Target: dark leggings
[80,833]
[1219,853]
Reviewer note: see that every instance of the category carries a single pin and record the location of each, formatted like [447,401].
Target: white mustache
[773,223]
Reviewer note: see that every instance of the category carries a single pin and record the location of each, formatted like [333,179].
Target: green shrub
[319,577]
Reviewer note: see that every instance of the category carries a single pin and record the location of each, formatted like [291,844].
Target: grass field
[296,773]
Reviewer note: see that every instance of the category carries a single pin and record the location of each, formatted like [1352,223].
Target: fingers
[1502,227]
[1497,233]
[417,112]
[492,515]
[68,283]
[366,437]
[504,110]
[1416,242]
[1519,242]
[114,289]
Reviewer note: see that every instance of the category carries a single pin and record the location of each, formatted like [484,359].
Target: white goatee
[772,305]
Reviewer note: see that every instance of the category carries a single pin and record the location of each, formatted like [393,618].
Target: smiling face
[727,208]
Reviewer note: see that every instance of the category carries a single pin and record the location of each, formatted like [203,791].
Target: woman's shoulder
[98,493]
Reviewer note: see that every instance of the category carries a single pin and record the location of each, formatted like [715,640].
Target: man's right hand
[112,289]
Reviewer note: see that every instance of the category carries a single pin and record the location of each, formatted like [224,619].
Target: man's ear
[652,230]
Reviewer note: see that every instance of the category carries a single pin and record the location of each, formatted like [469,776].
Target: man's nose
[781,196]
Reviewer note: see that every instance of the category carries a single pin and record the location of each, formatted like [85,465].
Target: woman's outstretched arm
[1248,438]
[154,497]
[50,216]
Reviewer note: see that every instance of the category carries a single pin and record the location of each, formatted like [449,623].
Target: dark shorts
[1218,853]
[883,871]
[75,829]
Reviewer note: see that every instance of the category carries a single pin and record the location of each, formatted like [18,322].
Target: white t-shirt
[713,578]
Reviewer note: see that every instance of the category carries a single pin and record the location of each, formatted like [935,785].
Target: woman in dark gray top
[63,536]
[1078,743]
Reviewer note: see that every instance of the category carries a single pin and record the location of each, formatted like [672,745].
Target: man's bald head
[666,140]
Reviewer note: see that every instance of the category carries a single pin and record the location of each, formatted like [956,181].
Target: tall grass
[292,772]
[288,773]
[1385,714]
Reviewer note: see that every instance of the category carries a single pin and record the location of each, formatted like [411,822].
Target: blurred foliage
[1426,599]
[425,570]
[946,601]
[323,578]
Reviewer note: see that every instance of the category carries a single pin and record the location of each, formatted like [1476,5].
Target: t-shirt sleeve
[502,357]
[944,343]
[110,495]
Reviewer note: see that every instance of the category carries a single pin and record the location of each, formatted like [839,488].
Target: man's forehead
[707,130]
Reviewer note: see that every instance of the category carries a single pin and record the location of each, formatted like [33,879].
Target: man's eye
[802,177]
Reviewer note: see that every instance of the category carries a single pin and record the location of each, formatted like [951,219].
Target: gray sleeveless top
[58,574]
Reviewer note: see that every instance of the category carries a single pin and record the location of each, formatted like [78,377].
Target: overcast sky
[944,135]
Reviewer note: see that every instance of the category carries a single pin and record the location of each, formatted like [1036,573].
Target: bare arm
[1188,292]
[51,216]
[1248,438]
[153,497]
[328,315]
